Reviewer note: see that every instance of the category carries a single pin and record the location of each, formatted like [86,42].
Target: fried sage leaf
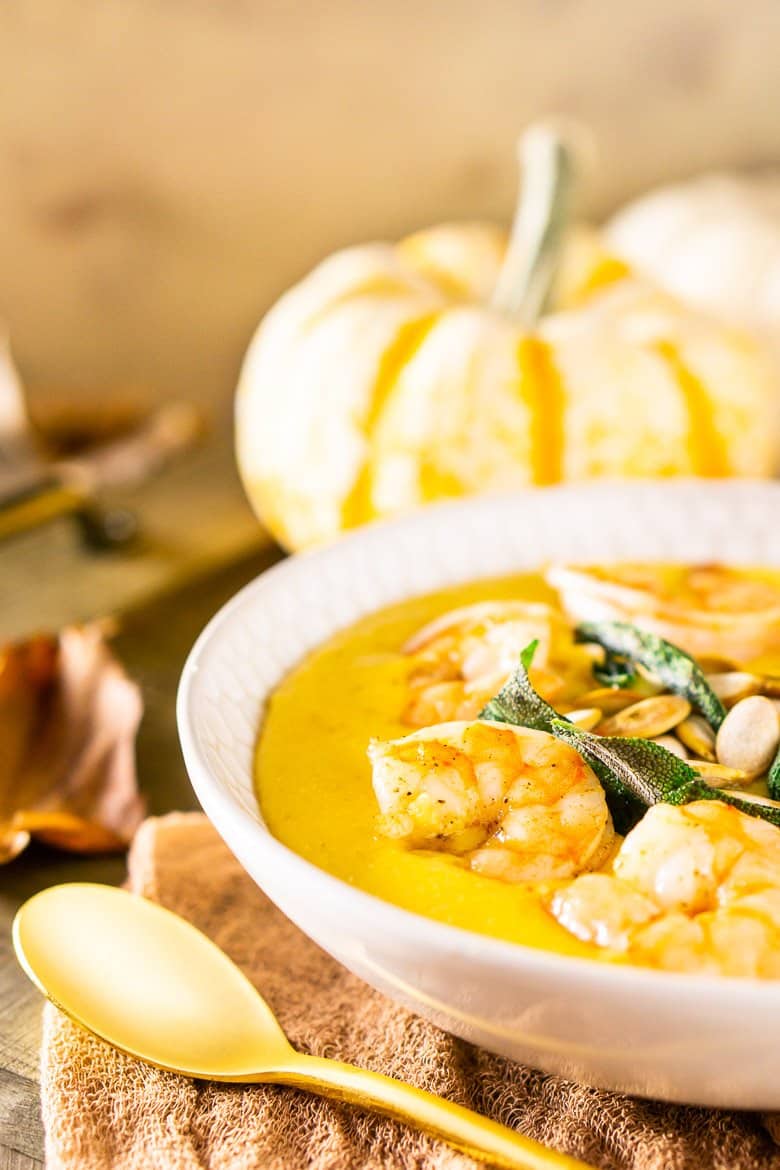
[644,768]
[668,663]
[652,774]
[698,790]
[615,671]
[773,779]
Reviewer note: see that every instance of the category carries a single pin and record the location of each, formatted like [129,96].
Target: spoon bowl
[147,981]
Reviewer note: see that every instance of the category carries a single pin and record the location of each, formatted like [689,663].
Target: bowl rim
[222,807]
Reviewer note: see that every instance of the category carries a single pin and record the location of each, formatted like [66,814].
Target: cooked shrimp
[464,657]
[514,803]
[709,610]
[695,888]
[601,909]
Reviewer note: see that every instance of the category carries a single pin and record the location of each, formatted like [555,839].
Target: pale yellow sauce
[314,779]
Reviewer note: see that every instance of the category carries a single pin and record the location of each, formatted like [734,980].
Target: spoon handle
[463,1128]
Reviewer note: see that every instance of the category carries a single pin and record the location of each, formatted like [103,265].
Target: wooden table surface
[200,544]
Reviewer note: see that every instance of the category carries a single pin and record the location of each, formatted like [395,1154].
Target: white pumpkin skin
[714,242]
[379,383]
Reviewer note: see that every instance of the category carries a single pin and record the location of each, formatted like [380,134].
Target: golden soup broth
[313,777]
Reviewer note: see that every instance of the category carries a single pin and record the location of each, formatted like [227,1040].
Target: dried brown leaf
[68,720]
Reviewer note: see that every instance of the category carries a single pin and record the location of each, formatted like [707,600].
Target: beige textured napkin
[104,1110]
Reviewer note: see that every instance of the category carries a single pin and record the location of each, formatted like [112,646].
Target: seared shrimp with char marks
[464,657]
[514,803]
[712,611]
[695,888]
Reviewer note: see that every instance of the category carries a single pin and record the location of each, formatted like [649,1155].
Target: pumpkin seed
[609,699]
[647,682]
[733,685]
[585,717]
[697,735]
[594,652]
[648,718]
[749,736]
[716,775]
[672,744]
[714,664]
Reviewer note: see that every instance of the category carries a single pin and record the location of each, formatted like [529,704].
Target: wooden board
[193,518]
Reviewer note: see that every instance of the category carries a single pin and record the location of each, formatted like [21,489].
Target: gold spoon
[149,983]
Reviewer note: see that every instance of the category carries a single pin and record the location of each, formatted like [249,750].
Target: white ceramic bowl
[684,1038]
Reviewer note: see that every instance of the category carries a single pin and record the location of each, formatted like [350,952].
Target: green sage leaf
[614,671]
[645,769]
[652,774]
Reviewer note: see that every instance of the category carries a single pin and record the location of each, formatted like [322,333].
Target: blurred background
[168,168]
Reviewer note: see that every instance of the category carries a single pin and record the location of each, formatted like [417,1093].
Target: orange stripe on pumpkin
[606,271]
[412,252]
[707,448]
[385,285]
[358,507]
[541,388]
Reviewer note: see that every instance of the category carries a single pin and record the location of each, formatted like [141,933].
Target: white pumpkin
[714,242]
[391,377]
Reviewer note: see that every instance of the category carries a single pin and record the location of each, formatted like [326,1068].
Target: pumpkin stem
[547,167]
